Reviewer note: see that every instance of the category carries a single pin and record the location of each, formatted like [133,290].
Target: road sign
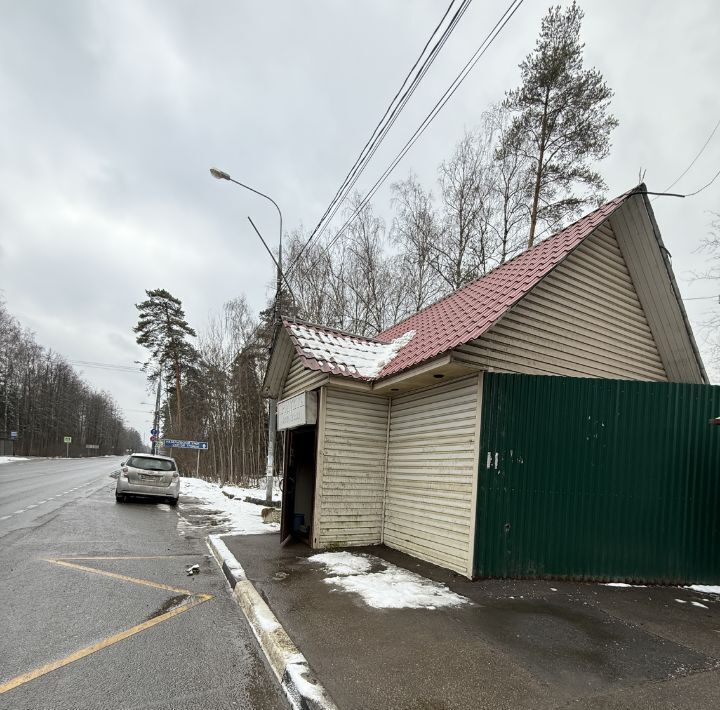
[154,432]
[92,446]
[182,444]
[13,435]
[153,438]
[67,440]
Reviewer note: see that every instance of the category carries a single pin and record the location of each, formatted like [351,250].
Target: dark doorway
[299,484]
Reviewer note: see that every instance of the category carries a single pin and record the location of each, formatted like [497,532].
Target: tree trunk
[539,172]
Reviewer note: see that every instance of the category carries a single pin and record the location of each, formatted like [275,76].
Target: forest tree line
[43,399]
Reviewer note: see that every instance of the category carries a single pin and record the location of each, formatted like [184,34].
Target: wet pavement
[516,644]
[80,577]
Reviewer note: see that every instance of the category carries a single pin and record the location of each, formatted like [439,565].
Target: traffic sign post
[182,444]
[13,438]
[68,441]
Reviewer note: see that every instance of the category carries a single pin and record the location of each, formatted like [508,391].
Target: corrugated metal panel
[349,496]
[432,461]
[598,480]
[300,379]
[583,319]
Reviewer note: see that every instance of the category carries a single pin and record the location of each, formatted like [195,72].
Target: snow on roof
[341,353]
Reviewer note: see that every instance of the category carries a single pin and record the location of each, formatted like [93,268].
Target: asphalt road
[97,609]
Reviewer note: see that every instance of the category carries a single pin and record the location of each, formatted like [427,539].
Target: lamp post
[272,403]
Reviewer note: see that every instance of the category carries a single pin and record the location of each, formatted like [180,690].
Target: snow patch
[342,564]
[391,588]
[236,516]
[12,459]
[622,584]
[164,506]
[704,589]
[702,606]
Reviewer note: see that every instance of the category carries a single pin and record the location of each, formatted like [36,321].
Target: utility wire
[105,366]
[396,105]
[484,46]
[694,160]
[697,192]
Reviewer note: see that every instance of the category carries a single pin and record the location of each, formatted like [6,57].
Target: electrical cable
[484,46]
[705,145]
[697,192]
[402,96]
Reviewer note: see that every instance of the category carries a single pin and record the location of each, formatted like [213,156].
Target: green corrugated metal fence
[598,480]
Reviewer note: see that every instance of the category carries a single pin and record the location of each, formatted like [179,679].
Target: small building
[383,435]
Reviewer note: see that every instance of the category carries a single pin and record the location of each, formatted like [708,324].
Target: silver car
[148,475]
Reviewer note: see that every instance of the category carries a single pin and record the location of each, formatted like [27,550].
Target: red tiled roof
[468,312]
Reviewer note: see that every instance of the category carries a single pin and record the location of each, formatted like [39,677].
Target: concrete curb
[301,686]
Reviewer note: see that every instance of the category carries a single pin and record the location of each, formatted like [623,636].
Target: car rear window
[151,464]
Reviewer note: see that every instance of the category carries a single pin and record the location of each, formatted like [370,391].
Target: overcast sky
[113,111]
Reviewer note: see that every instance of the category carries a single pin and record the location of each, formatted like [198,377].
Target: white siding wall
[351,469]
[583,320]
[432,463]
[300,379]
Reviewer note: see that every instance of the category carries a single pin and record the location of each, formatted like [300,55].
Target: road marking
[193,599]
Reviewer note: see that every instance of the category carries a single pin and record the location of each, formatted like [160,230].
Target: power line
[105,366]
[395,107]
[484,46]
[694,160]
[697,192]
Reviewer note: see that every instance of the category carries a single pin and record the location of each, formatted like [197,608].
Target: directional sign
[181,444]
[92,446]
[154,432]
[13,435]
[67,440]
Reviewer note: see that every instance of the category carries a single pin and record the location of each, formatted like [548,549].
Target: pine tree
[560,120]
[163,330]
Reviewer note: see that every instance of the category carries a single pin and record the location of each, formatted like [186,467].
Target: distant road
[31,489]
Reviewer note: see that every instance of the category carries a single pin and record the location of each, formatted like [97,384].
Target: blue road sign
[181,444]
[154,432]
[13,435]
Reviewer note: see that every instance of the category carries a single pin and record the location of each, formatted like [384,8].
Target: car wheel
[173,501]
[119,498]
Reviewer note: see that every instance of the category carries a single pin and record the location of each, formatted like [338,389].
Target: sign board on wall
[297,411]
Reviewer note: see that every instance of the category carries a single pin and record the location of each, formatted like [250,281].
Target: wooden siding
[583,320]
[351,469]
[300,379]
[431,466]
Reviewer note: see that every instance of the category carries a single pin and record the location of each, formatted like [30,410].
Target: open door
[299,483]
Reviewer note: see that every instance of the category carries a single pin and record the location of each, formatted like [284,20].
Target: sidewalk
[507,644]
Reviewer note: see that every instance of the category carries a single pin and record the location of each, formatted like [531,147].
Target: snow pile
[236,515]
[11,459]
[350,354]
[391,588]
[259,493]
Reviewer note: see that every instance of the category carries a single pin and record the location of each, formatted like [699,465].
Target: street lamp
[272,403]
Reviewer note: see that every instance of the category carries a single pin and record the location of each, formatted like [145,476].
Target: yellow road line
[129,557]
[83,652]
[124,578]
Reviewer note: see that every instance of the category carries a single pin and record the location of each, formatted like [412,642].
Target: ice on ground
[11,459]
[391,588]
[342,564]
[237,516]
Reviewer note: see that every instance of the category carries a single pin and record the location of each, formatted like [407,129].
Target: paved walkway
[515,645]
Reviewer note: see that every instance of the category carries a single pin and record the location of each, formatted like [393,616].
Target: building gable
[584,319]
